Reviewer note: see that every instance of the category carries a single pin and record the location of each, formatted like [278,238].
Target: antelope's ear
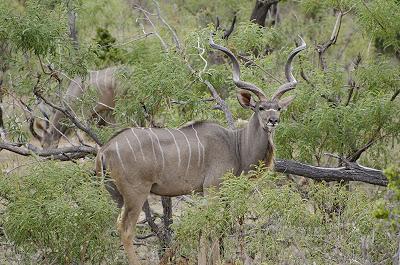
[245,99]
[284,103]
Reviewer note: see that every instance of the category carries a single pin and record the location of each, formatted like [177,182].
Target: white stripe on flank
[152,144]
[119,155]
[130,146]
[199,145]
[177,148]
[190,151]
[162,152]
[140,144]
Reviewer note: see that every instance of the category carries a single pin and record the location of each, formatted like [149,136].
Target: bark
[63,154]
[167,221]
[321,48]
[260,11]
[73,33]
[350,172]
[1,108]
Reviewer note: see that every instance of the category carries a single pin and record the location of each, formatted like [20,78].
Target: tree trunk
[260,11]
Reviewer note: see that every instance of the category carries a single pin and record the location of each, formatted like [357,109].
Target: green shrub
[326,223]
[389,207]
[61,211]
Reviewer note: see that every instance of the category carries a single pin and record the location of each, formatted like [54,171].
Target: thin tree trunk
[260,11]
[73,32]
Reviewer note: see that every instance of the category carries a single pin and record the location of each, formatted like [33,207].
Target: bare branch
[63,154]
[352,84]
[347,41]
[67,112]
[146,15]
[222,104]
[321,48]
[373,15]
[173,32]
[140,37]
[228,32]
[396,93]
[248,60]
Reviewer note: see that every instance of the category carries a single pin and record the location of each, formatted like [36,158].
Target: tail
[101,171]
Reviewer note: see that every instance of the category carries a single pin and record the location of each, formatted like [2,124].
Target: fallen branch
[350,172]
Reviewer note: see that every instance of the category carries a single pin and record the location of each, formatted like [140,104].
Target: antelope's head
[267,110]
[42,131]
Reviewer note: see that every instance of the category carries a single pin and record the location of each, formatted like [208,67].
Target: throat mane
[269,153]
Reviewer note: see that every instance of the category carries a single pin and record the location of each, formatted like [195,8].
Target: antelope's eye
[261,108]
[279,108]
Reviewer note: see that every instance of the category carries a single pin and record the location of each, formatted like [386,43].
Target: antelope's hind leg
[133,202]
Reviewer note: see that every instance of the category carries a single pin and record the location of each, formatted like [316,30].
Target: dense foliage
[347,104]
[285,225]
[61,211]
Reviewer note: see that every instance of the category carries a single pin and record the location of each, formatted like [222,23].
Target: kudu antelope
[103,80]
[172,162]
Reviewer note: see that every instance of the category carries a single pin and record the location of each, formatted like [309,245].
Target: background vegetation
[346,104]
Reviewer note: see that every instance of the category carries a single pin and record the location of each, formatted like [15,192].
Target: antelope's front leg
[133,202]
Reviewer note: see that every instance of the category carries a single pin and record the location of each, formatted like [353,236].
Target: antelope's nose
[273,121]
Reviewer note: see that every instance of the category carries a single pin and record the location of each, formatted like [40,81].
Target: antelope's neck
[254,145]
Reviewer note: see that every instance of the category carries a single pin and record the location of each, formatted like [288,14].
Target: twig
[246,59]
[174,35]
[345,45]
[32,118]
[396,93]
[145,35]
[8,171]
[146,14]
[305,78]
[356,154]
[373,15]
[140,237]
